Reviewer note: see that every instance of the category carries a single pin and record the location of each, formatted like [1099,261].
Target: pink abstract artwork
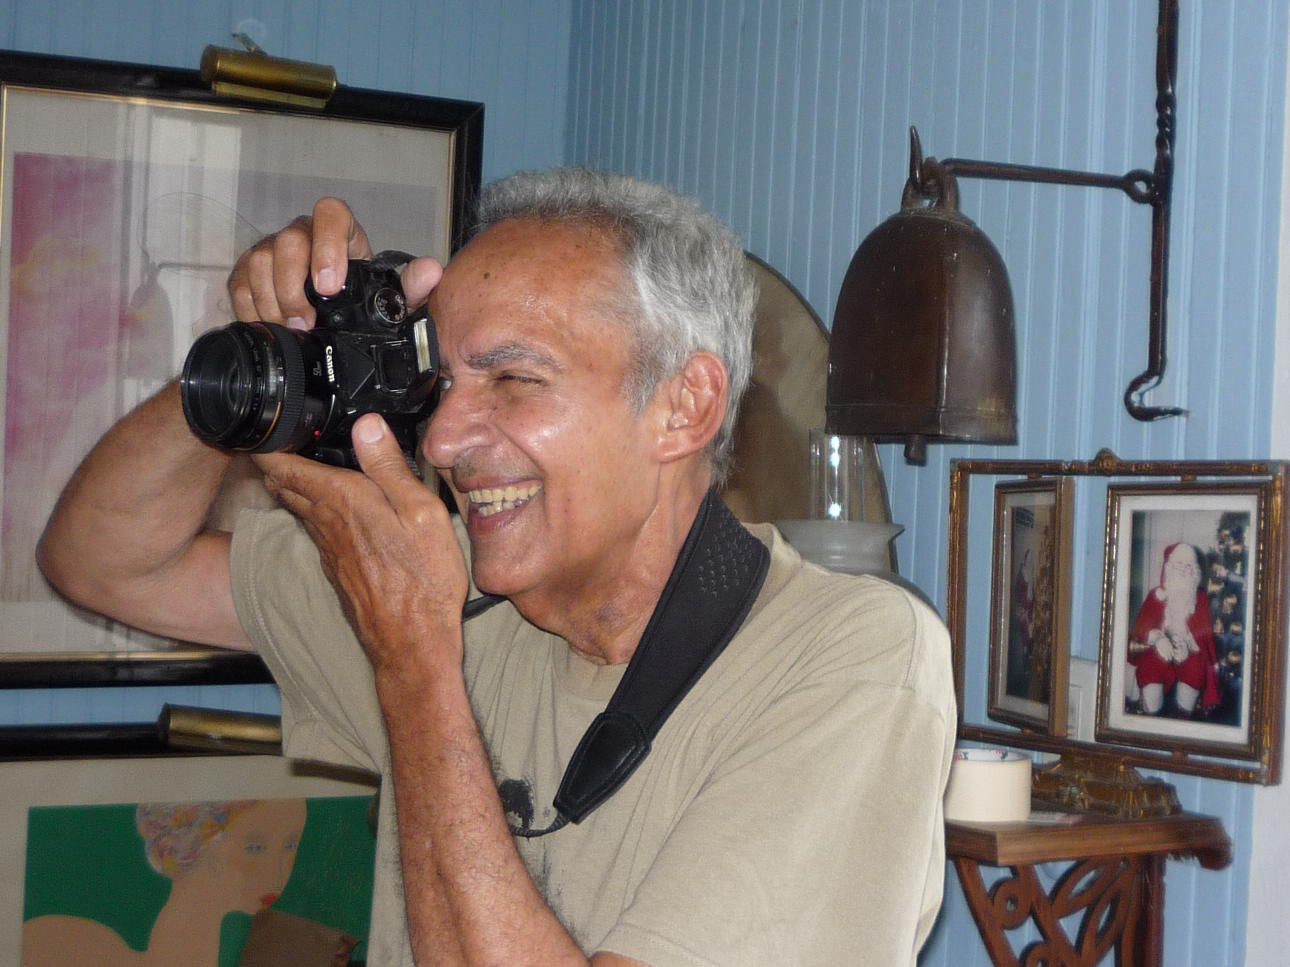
[66,311]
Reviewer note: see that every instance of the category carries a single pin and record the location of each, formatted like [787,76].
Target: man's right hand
[268,281]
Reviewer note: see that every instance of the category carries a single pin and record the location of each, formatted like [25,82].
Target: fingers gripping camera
[261,387]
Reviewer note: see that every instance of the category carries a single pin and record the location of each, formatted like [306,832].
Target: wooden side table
[1115,882]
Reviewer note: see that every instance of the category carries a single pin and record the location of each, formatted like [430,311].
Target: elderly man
[595,337]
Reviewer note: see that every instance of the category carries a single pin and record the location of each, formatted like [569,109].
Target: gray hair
[693,289]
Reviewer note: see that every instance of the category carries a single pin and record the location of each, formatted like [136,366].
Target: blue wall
[789,117]
[513,57]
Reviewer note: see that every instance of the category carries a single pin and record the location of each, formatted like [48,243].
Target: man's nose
[458,424]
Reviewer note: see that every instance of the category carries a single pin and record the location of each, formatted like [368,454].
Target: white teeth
[494,500]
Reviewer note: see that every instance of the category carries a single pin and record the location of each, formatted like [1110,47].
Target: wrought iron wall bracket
[1152,188]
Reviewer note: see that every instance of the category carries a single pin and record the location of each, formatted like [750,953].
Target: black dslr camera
[262,387]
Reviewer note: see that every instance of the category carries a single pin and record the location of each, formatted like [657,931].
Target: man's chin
[496,579]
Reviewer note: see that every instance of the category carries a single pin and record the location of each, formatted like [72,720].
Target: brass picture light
[253,74]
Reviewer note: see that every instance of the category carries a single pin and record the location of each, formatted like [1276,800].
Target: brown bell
[923,345]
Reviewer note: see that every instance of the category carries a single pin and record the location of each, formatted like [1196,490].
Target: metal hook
[1161,186]
[1141,385]
[916,161]
[1152,188]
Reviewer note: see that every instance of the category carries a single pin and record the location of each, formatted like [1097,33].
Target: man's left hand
[386,543]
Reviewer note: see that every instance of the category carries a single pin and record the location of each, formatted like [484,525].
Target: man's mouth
[493,500]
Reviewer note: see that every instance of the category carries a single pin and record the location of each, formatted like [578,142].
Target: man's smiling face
[553,469]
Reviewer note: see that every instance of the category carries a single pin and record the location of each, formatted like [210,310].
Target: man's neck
[604,623]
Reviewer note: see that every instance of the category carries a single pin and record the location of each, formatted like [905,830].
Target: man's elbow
[69,573]
[95,574]
[142,590]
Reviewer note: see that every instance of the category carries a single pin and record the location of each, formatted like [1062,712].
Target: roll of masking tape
[988,786]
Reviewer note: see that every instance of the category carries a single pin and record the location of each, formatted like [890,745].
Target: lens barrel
[244,387]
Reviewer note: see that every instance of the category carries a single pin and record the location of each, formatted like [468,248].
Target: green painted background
[88,861]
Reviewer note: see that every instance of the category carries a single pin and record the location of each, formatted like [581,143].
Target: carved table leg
[1106,893]
[980,903]
[1149,948]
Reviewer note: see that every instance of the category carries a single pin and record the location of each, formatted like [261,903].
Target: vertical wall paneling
[1267,928]
[624,53]
[811,107]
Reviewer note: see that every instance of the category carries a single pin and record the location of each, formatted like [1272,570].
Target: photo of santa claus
[1186,645]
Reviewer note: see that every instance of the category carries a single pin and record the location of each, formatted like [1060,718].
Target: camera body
[261,387]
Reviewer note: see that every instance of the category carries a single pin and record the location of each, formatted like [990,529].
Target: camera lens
[243,387]
[218,388]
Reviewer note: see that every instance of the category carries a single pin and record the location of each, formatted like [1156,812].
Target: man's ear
[694,404]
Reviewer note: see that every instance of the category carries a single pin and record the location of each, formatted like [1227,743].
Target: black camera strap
[390,259]
[712,587]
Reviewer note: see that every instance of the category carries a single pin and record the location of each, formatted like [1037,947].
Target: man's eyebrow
[509,353]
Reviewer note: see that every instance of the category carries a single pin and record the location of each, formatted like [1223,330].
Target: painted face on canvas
[257,852]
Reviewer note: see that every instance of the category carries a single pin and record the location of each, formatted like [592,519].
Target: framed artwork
[1030,604]
[100,855]
[1191,682]
[1185,618]
[126,194]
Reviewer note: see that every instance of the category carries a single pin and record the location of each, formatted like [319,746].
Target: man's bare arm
[127,538]
[469,897]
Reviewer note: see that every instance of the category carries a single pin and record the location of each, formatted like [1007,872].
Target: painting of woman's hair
[210,860]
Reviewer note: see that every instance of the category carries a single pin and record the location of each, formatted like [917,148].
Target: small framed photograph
[1030,604]
[1192,571]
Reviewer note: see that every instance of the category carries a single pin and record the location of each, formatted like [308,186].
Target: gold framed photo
[1030,604]
[1190,571]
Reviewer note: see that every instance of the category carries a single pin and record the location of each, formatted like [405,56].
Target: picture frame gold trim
[1225,524]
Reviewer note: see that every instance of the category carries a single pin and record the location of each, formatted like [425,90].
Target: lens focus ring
[220,389]
[292,390]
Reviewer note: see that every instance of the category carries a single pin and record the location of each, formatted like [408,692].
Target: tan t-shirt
[789,811]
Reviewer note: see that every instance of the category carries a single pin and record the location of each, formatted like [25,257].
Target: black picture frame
[90,90]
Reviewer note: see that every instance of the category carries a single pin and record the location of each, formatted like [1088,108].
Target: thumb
[419,277]
[383,462]
[378,451]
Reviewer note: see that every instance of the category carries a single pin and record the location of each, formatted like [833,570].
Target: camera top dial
[389,306]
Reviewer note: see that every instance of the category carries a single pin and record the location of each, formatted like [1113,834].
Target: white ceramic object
[850,546]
